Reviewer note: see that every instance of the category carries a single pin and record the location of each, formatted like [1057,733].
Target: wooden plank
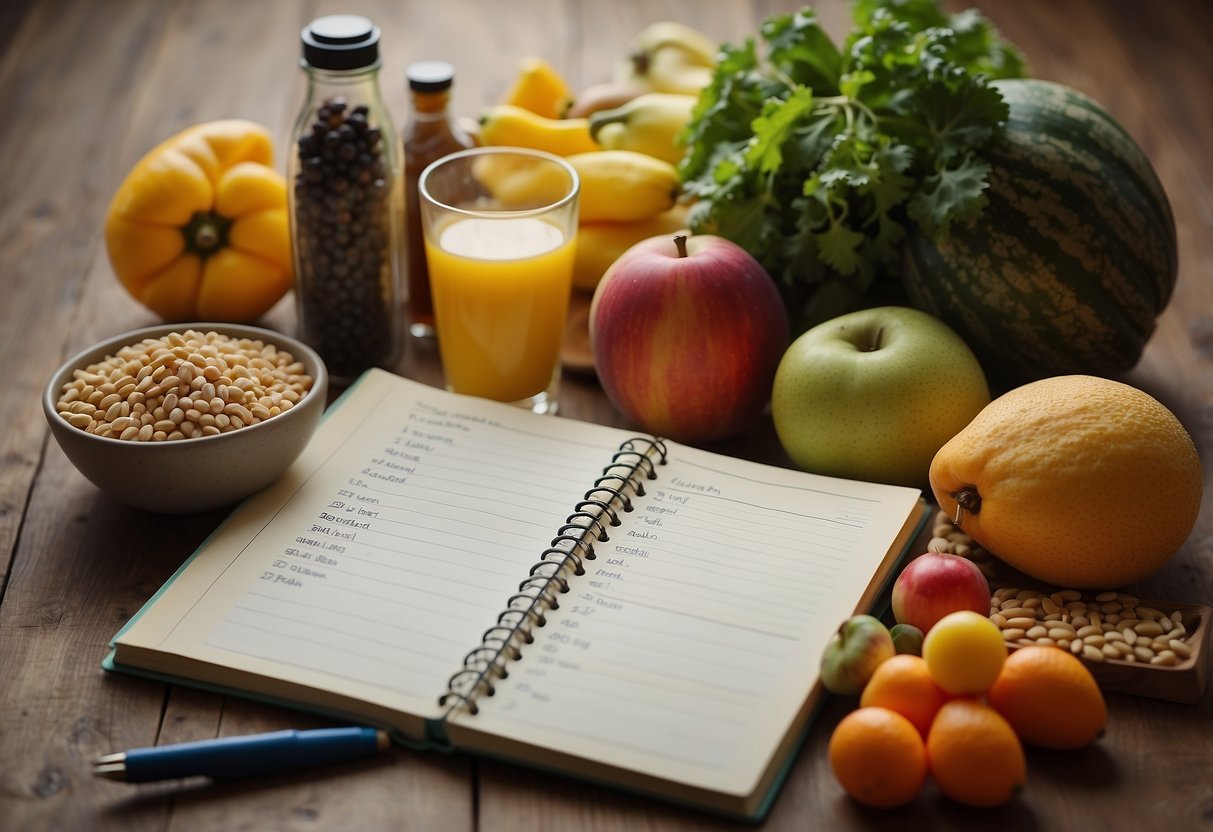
[62,709]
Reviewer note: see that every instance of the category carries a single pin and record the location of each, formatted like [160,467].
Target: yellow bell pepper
[198,230]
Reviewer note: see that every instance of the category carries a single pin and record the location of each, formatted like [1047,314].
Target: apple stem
[967,499]
[680,241]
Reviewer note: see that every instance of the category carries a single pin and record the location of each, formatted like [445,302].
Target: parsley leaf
[818,158]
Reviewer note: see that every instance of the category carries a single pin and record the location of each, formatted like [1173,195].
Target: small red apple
[687,333]
[935,584]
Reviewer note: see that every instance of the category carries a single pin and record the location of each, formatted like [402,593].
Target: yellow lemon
[1074,480]
[964,653]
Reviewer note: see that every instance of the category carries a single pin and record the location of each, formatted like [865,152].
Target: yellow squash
[599,244]
[616,185]
[198,229]
[507,124]
[540,89]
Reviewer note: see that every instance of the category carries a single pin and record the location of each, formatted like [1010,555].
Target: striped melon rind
[1074,256]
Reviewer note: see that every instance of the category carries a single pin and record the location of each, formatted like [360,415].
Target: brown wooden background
[87,87]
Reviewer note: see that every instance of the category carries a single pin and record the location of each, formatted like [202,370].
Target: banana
[540,89]
[507,124]
[616,186]
[672,57]
[648,124]
[697,47]
[668,71]
[599,244]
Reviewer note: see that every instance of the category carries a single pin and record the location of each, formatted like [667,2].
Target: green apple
[906,639]
[853,653]
[874,394]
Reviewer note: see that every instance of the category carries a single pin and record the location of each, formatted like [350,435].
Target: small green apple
[874,394]
[906,639]
[853,653]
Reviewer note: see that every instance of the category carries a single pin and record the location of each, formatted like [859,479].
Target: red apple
[935,584]
[687,333]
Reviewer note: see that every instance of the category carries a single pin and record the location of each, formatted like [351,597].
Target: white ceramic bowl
[197,474]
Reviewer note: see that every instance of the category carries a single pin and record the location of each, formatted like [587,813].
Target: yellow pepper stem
[206,233]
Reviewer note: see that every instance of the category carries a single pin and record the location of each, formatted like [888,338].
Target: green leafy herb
[817,159]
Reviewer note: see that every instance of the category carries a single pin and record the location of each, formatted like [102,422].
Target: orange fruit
[878,757]
[1054,477]
[1049,698]
[964,652]
[974,755]
[903,684]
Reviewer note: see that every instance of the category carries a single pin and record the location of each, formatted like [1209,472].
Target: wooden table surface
[86,88]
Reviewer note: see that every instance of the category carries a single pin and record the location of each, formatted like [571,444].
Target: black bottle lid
[340,41]
[430,76]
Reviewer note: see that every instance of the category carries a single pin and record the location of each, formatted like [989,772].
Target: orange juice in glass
[500,229]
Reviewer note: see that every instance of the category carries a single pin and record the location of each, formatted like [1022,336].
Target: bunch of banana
[672,57]
[629,183]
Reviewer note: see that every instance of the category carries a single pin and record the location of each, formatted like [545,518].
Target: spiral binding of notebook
[548,577]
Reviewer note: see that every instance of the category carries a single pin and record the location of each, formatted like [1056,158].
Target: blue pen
[242,756]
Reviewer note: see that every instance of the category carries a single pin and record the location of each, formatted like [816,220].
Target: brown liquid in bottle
[429,134]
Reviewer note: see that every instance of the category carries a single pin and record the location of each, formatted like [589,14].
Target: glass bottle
[429,134]
[346,201]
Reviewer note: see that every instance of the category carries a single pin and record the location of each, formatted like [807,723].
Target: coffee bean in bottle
[346,202]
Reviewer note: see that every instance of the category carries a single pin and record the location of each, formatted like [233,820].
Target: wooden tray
[575,353]
[1184,682]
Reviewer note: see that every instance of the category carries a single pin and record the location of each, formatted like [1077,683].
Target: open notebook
[645,614]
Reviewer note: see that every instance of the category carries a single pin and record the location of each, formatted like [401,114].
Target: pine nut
[1021,622]
[1013,633]
[1148,628]
[1166,658]
[1180,648]
[1095,654]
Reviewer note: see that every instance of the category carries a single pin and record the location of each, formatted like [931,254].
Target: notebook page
[389,549]
[694,638]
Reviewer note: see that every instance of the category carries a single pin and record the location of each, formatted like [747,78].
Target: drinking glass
[500,227]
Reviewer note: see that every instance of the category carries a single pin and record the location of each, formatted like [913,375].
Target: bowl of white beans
[183,418]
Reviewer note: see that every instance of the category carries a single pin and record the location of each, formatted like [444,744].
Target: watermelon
[1074,255]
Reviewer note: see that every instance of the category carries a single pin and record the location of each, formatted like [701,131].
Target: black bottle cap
[340,41]
[430,76]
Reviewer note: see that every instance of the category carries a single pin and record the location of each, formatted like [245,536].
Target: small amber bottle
[429,134]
